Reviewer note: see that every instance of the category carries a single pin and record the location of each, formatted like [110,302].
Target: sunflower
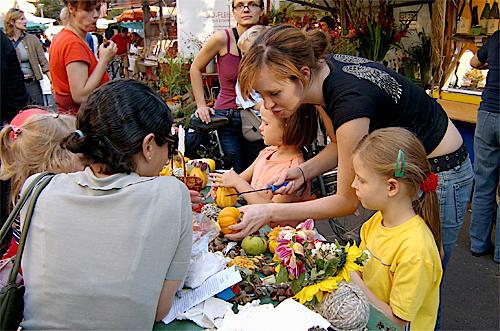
[317,290]
[353,253]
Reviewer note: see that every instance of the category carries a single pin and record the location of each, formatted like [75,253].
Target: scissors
[271,188]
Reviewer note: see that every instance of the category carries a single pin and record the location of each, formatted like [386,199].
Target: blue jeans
[231,139]
[455,187]
[454,190]
[487,173]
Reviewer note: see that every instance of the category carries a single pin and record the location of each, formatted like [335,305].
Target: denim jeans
[231,139]
[487,173]
[454,191]
[35,92]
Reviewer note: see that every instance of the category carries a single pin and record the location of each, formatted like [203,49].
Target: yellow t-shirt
[405,269]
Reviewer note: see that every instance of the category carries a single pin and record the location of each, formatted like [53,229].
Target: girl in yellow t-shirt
[403,276]
[284,140]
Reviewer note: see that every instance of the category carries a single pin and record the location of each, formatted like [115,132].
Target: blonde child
[284,141]
[403,276]
[32,144]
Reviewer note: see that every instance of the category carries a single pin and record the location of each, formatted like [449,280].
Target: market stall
[252,285]
[466,25]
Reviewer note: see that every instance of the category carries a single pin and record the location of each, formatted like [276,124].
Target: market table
[377,321]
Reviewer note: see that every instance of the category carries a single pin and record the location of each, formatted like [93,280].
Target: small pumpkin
[223,200]
[273,244]
[227,217]
[197,172]
[211,164]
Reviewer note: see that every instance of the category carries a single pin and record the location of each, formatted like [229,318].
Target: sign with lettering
[197,20]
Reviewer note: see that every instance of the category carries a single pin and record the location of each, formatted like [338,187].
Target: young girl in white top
[403,276]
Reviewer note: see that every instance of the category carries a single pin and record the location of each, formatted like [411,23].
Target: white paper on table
[182,143]
[208,314]
[188,298]
[288,315]
[202,267]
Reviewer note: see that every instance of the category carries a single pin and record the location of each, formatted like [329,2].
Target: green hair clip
[400,164]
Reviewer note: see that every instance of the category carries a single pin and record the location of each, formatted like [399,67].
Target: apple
[254,245]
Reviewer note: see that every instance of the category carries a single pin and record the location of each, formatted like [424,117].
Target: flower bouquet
[314,268]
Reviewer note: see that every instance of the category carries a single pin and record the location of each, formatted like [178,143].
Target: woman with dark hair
[75,70]
[112,243]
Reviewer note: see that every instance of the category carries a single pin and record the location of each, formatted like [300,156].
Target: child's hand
[227,179]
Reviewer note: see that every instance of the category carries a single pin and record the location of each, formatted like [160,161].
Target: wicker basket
[192,182]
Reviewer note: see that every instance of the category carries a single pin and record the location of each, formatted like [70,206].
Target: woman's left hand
[254,217]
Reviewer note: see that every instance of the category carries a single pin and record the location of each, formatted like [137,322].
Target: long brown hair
[284,49]
[11,17]
[379,150]
[36,148]
[301,128]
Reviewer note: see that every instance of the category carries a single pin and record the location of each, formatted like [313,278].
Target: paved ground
[471,287]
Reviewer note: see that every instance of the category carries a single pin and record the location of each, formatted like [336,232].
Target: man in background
[122,41]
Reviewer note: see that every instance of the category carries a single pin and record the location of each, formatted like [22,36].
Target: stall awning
[132,25]
[121,4]
[133,15]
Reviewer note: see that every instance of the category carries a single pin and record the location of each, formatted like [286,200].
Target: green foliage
[282,276]
[51,8]
[174,77]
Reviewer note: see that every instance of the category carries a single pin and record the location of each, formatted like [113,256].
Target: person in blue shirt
[487,154]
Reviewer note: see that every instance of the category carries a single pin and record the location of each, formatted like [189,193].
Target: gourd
[197,172]
[273,244]
[227,217]
[223,200]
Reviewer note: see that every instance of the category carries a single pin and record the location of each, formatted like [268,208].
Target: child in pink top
[284,140]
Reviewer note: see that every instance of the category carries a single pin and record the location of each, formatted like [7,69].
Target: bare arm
[476,63]
[344,202]
[81,84]
[206,54]
[241,183]
[166,297]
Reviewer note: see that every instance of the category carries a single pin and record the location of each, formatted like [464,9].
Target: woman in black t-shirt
[287,68]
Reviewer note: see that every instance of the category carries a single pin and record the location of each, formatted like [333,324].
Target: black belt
[449,161]
[31,79]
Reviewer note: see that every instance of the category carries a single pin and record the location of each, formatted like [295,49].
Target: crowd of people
[110,240]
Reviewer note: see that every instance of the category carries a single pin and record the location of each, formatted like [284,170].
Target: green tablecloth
[377,321]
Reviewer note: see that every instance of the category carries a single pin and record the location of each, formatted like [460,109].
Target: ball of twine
[346,308]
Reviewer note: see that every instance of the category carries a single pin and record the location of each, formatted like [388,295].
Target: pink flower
[284,251]
[296,268]
[307,225]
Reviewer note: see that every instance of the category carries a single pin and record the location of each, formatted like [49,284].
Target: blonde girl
[32,147]
[393,176]
[284,140]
